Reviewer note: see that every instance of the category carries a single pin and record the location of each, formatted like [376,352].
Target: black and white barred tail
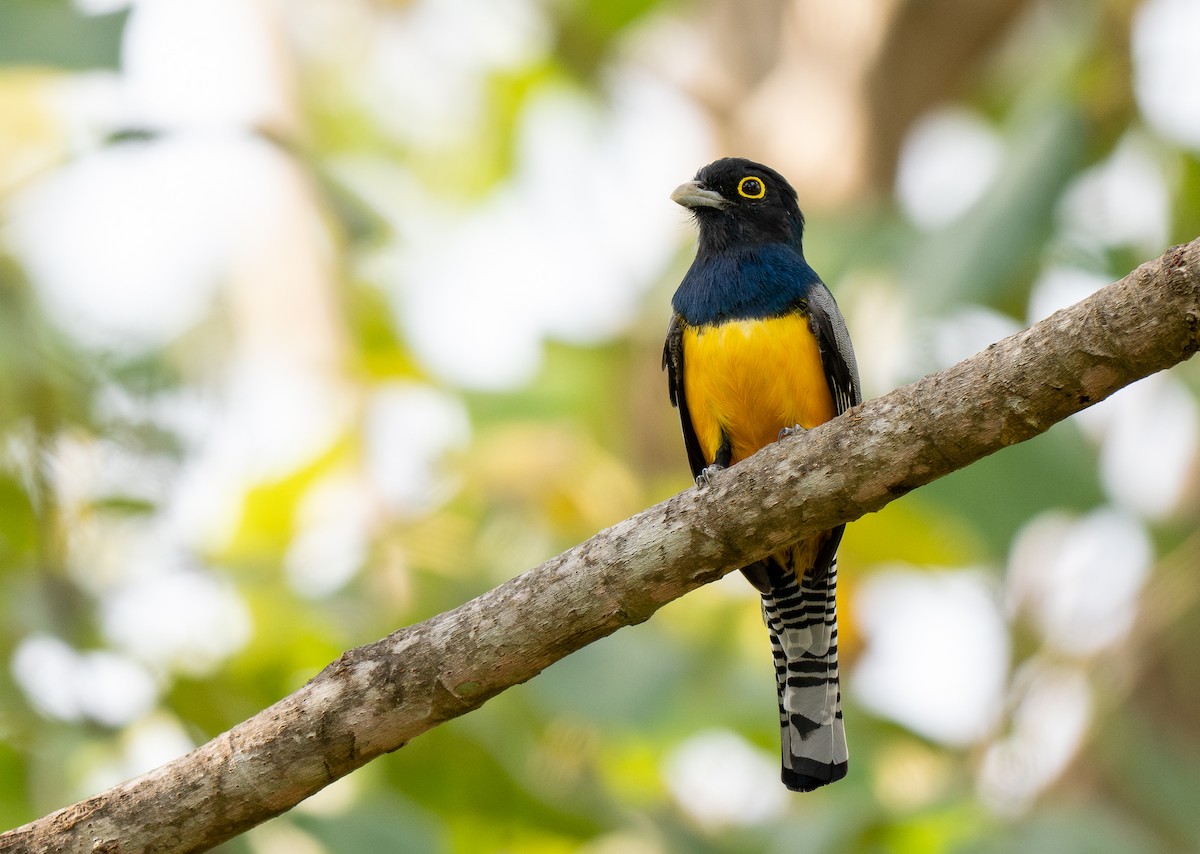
[801,617]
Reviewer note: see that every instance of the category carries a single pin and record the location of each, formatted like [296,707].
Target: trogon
[758,349]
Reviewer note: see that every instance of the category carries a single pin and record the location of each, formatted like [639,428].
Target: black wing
[673,365]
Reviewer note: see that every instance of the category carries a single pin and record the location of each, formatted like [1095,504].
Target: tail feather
[801,617]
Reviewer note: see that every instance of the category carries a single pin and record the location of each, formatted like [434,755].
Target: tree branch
[376,698]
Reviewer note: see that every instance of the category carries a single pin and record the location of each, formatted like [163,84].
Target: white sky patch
[330,546]
[1048,725]
[886,357]
[99,685]
[126,245]
[937,652]
[565,248]
[1148,434]
[117,264]
[967,331]
[202,65]
[113,689]
[428,64]
[1166,68]
[182,621]
[718,778]
[274,417]
[146,744]
[948,161]
[609,205]
[466,305]
[278,416]
[1079,579]
[408,428]
[154,741]
[204,511]
[1059,287]
[44,667]
[87,105]
[1123,201]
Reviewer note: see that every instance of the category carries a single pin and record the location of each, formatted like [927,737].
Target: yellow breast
[749,379]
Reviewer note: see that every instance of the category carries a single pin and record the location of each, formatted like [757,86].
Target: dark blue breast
[744,283]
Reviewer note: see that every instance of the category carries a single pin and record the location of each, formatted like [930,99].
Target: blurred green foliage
[53,33]
[574,761]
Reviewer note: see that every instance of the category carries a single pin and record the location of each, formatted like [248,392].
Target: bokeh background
[320,317]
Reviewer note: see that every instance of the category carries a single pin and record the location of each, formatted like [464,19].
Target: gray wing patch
[837,353]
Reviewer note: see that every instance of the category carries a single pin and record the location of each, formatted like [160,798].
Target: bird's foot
[704,479]
[789,431]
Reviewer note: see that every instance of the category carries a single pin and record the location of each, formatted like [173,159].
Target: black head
[737,201]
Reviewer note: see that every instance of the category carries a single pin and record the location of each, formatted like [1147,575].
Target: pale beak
[693,194]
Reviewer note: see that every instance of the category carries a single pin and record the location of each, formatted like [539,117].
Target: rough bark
[375,698]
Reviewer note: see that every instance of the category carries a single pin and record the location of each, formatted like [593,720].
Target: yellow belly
[749,379]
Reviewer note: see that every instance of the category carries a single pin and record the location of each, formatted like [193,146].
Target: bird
[757,350]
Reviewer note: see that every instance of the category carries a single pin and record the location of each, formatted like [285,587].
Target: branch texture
[375,698]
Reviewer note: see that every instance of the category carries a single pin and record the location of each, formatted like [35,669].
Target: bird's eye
[751,188]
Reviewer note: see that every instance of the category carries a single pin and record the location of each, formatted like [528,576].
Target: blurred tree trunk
[827,97]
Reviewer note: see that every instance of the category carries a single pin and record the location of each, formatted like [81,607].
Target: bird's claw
[704,479]
[789,431]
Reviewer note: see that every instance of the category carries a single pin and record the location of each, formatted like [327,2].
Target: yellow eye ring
[752,187]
